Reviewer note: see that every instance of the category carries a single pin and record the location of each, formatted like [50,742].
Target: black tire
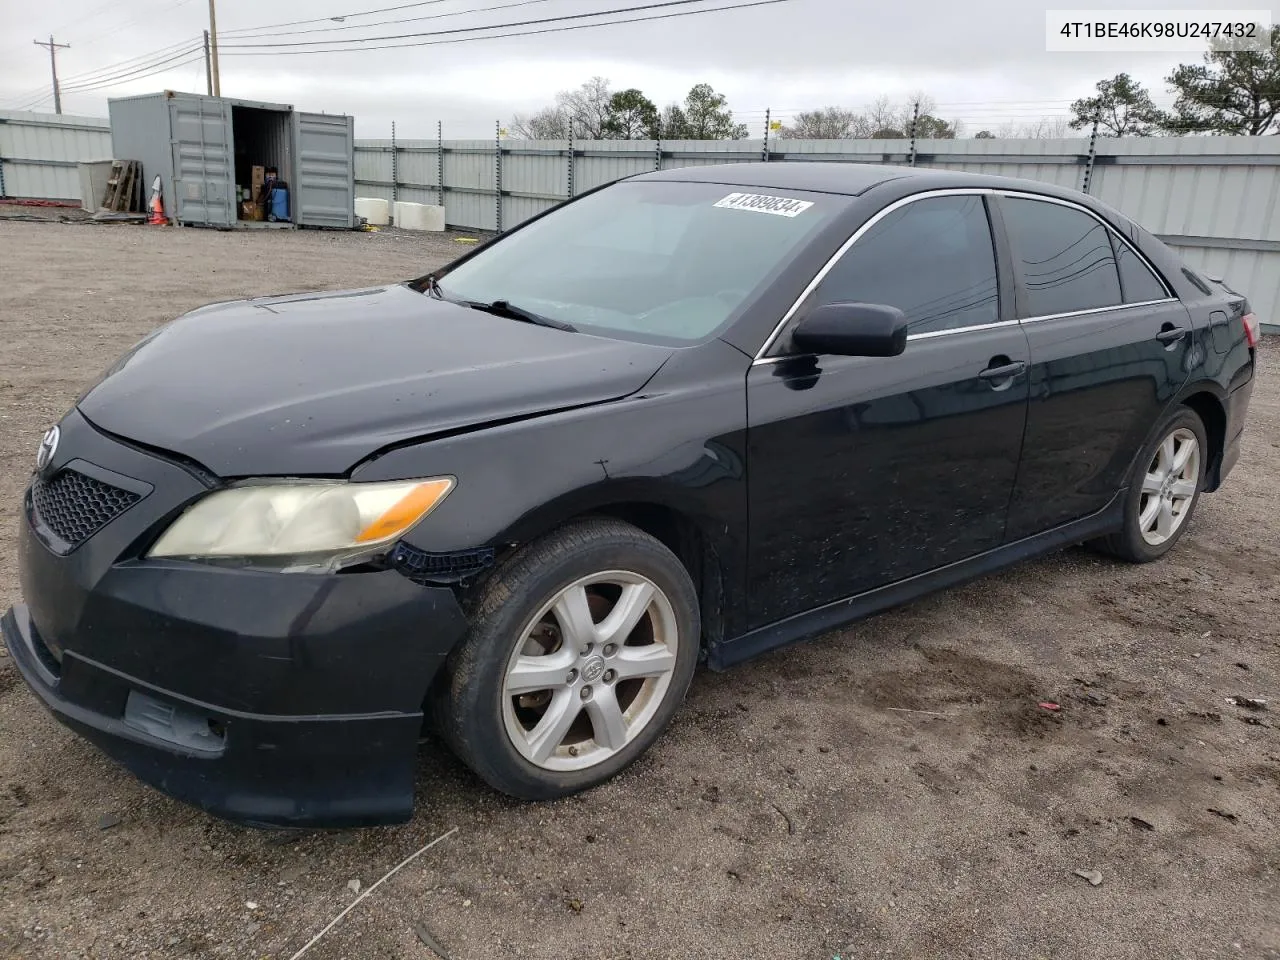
[1129,543]
[468,706]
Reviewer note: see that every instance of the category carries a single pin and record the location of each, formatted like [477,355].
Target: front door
[863,471]
[1110,348]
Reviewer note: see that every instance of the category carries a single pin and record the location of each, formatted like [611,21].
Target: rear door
[1110,348]
[324,190]
[867,470]
[203,171]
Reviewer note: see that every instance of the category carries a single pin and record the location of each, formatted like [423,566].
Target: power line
[520,33]
[137,73]
[338,16]
[457,30]
[383,23]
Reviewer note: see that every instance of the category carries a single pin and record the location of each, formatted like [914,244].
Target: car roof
[847,178]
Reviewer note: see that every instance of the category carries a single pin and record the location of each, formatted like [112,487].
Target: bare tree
[587,108]
[549,123]
[1047,128]
[826,123]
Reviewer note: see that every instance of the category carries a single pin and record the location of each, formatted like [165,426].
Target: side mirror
[852,330]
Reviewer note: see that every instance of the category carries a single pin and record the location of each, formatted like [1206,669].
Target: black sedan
[691,416]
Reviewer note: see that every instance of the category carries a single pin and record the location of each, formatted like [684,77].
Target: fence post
[657,153]
[440,161]
[570,159]
[1093,151]
[915,117]
[395,167]
[764,152]
[497,170]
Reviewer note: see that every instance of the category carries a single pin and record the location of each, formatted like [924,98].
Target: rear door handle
[1002,372]
[1172,334]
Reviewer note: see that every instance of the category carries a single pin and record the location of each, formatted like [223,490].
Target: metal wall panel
[324,182]
[39,153]
[203,170]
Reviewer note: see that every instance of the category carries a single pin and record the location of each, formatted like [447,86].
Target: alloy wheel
[1169,486]
[590,671]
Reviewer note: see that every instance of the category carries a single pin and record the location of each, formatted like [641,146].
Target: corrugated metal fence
[39,153]
[1214,198]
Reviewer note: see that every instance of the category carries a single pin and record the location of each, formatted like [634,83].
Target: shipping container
[205,149]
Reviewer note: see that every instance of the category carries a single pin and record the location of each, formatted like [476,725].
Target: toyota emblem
[48,447]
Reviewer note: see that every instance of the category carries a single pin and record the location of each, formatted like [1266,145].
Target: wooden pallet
[124,187]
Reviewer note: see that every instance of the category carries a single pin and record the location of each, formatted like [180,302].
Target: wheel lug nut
[610,649]
[586,693]
[573,751]
[586,649]
[610,676]
[573,675]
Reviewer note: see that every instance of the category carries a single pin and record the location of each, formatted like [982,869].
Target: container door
[324,189]
[203,171]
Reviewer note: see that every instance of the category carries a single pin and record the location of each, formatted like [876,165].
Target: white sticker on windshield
[759,203]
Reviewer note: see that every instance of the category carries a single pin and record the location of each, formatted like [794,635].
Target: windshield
[658,261]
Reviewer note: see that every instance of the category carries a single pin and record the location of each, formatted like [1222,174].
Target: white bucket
[374,210]
[419,216]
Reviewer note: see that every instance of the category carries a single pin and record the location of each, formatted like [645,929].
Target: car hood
[313,384]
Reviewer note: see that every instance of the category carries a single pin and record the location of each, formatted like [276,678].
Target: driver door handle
[1003,372]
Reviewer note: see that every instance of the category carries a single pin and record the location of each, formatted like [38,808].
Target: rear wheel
[1164,490]
[579,651]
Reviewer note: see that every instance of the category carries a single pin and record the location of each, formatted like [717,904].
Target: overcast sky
[983,61]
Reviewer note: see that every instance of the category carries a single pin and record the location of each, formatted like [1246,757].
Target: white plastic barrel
[419,216]
[375,210]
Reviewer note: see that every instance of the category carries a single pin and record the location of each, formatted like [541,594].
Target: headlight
[301,525]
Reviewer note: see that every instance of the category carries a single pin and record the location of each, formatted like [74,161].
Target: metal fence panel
[39,153]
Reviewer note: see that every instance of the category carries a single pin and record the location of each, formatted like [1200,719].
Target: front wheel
[580,650]
[1164,490]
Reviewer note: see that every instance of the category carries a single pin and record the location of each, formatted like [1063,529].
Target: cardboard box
[249,210]
[258,176]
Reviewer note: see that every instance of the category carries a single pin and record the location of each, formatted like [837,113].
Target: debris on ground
[353,886]
[1142,824]
[574,904]
[1050,705]
[1093,876]
[109,820]
[791,827]
[429,941]
[1229,817]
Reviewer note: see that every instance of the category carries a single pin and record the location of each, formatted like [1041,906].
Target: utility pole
[53,63]
[213,49]
[208,66]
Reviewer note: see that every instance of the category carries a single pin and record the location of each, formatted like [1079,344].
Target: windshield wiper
[432,286]
[503,308]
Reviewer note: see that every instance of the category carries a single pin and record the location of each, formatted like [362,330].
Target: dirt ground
[891,790]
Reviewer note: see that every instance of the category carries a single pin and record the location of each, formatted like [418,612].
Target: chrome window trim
[854,238]
[760,357]
[1085,313]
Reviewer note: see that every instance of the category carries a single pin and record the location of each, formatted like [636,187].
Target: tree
[1232,92]
[984,135]
[826,123]
[673,124]
[587,108]
[632,116]
[1122,108]
[706,116]
[549,123]
[929,127]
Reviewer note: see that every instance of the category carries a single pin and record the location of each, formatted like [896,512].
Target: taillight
[1252,330]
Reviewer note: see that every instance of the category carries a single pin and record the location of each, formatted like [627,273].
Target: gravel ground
[891,790]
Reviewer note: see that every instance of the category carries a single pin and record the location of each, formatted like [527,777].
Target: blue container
[279,202]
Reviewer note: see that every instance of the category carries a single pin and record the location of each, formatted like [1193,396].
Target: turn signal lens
[301,525]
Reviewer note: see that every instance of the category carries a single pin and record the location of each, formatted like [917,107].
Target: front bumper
[266,698]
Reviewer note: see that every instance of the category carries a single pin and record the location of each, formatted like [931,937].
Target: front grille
[75,506]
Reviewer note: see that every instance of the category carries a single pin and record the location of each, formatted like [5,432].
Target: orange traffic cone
[157,218]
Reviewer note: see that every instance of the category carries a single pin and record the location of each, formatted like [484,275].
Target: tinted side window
[1136,279]
[1065,256]
[933,259]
